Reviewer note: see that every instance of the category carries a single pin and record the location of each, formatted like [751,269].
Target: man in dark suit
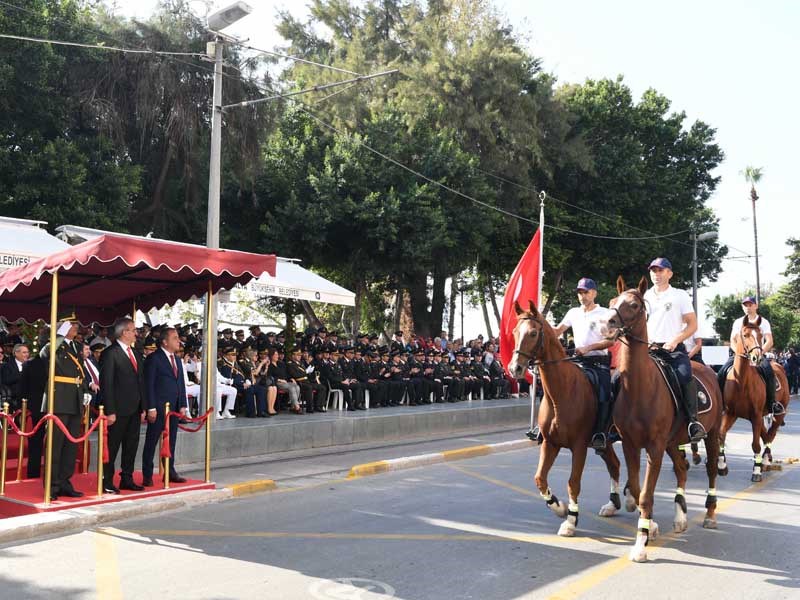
[11,371]
[163,372]
[123,389]
[32,386]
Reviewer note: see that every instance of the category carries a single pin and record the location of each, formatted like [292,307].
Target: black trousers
[35,444]
[125,433]
[500,387]
[377,393]
[154,430]
[348,393]
[436,387]
[455,388]
[64,452]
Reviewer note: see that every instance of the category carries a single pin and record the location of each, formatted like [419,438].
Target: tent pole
[51,389]
[210,387]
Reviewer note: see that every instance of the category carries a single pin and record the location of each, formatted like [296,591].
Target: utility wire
[295,58]
[98,46]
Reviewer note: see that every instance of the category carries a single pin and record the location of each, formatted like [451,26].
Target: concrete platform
[242,437]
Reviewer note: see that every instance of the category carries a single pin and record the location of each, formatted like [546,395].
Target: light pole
[698,238]
[216,22]
[753,198]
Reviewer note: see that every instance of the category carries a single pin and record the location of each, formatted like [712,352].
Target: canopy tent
[289,281]
[22,241]
[293,281]
[104,278]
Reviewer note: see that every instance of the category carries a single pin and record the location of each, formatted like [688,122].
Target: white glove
[246,384]
[310,369]
[87,398]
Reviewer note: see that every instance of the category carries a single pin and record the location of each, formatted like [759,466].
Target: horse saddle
[671,379]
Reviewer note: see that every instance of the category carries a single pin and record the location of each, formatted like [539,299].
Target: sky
[725,62]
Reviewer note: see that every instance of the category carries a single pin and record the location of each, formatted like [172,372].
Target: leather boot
[601,425]
[696,430]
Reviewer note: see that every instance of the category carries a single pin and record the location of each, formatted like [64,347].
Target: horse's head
[628,310]
[528,339]
[751,340]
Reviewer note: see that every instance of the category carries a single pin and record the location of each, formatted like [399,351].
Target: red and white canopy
[102,278]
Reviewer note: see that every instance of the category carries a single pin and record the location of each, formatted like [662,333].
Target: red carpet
[27,496]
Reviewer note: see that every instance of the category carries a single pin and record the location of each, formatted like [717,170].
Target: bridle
[624,330]
[748,353]
[531,358]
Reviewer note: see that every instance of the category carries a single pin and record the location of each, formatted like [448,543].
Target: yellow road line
[420,537]
[600,574]
[106,566]
[616,523]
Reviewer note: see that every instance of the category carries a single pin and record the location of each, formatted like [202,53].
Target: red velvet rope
[63,428]
[165,449]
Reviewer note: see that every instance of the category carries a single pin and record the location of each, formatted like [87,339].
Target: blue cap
[661,263]
[586,284]
[750,299]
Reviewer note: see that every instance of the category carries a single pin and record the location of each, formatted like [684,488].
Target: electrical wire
[98,46]
[295,58]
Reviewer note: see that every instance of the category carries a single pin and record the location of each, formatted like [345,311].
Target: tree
[726,309]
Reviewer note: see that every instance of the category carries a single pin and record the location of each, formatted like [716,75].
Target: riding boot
[776,408]
[599,438]
[696,430]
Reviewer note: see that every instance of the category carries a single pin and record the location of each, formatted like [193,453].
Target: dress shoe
[72,493]
[175,478]
[147,481]
[110,488]
[54,494]
[227,415]
[130,485]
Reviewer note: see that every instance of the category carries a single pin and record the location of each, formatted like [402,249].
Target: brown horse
[646,417]
[566,415]
[745,395]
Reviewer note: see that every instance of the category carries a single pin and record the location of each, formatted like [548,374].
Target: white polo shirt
[666,310]
[737,326]
[586,326]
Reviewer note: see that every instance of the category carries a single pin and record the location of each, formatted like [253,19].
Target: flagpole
[534,376]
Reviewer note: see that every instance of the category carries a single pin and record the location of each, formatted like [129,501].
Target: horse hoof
[630,504]
[722,472]
[638,555]
[679,526]
[696,459]
[709,523]
[755,477]
[608,510]
[567,529]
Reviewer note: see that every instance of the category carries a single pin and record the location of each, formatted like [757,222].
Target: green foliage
[784,322]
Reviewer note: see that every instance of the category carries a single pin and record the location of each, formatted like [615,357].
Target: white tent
[22,241]
[290,281]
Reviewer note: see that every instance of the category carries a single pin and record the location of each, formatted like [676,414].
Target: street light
[216,21]
[709,235]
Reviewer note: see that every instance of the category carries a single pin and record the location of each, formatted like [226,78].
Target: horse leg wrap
[711,497]
[680,499]
[614,497]
[572,511]
[644,528]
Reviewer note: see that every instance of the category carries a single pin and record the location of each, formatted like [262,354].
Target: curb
[254,486]
[15,529]
[409,462]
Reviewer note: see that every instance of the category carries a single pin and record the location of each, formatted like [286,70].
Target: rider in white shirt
[591,348]
[750,308]
[671,320]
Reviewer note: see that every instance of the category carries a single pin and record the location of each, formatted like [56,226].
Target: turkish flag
[524,286]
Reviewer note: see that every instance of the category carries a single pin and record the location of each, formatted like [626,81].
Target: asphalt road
[469,529]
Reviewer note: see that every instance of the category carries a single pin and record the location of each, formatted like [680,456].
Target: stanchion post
[208,442]
[51,390]
[85,460]
[101,429]
[166,458]
[23,421]
[5,450]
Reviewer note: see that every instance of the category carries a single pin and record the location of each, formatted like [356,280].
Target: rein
[532,360]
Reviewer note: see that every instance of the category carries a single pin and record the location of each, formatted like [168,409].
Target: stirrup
[700,433]
[535,435]
[599,441]
[777,409]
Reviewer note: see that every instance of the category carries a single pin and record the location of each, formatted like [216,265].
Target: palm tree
[753,175]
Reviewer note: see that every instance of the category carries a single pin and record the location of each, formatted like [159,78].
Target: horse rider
[750,308]
[672,320]
[591,350]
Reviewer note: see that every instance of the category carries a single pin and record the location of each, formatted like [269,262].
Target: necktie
[174,366]
[133,360]
[91,372]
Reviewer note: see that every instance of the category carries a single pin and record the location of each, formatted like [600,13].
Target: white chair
[337,396]
[366,397]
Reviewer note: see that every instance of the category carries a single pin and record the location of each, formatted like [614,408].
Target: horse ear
[642,286]
[532,308]
[518,308]
[621,287]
